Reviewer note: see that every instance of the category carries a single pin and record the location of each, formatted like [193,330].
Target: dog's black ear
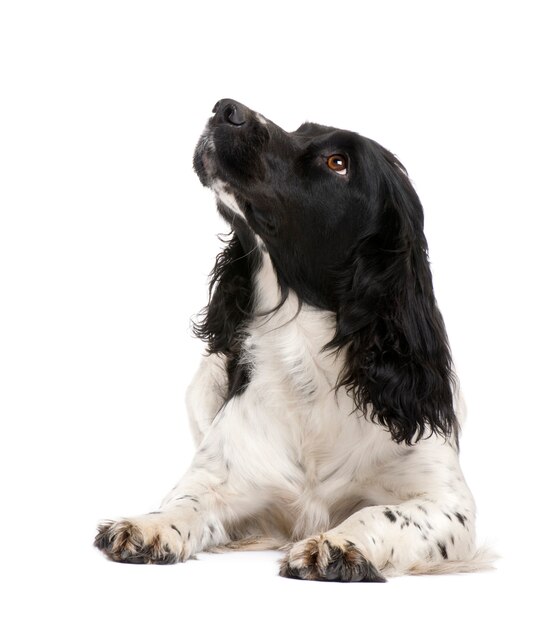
[222,320]
[398,362]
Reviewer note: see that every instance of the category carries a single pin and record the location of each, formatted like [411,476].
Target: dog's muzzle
[232,143]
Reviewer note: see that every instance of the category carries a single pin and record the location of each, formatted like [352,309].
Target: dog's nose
[230,112]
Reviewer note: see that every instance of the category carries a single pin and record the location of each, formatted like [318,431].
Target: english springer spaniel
[325,410]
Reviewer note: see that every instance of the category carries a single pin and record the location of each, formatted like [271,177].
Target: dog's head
[344,229]
[309,195]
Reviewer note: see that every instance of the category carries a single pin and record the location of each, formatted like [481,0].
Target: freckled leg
[211,497]
[410,537]
[195,515]
[189,521]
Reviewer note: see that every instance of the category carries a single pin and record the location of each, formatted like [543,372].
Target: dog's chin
[232,203]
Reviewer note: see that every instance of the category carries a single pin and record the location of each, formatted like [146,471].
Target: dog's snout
[230,112]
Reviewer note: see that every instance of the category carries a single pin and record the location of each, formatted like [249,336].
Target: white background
[106,240]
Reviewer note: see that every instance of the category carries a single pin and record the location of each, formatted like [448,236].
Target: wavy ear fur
[398,362]
[223,320]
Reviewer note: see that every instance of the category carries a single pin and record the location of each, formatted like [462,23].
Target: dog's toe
[130,541]
[328,558]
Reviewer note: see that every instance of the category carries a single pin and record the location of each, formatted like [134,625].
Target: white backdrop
[106,240]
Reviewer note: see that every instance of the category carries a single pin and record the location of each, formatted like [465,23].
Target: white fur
[289,458]
[262,119]
[226,197]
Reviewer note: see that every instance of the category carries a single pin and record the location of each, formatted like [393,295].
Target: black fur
[398,358]
[222,323]
[351,244]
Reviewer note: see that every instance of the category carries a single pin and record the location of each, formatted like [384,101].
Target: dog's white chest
[285,343]
[295,404]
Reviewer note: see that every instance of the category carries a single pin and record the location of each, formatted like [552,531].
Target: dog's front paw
[142,540]
[328,557]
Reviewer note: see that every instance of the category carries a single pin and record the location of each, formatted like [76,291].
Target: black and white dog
[325,411]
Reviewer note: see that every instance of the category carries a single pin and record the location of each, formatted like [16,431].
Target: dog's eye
[338,163]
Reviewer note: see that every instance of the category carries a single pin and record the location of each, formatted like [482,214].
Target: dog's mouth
[229,160]
[204,161]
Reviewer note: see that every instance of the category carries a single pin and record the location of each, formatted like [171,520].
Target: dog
[325,410]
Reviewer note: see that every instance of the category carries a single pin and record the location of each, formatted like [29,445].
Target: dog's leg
[225,485]
[415,537]
[429,533]
[178,529]
[190,519]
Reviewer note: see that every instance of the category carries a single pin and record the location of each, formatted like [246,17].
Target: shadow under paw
[124,542]
[321,558]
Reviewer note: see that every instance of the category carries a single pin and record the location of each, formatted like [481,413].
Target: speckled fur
[287,461]
[284,458]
